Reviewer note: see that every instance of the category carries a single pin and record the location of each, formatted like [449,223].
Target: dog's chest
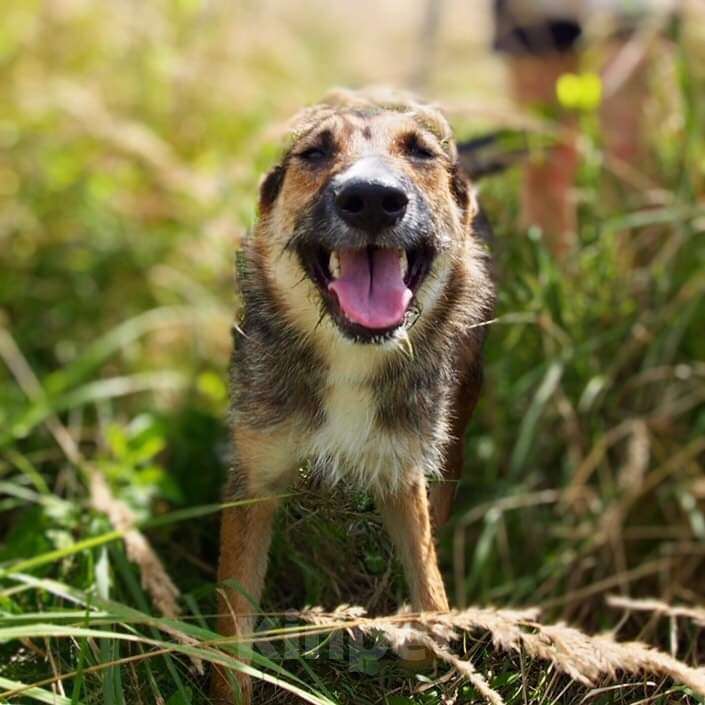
[351,443]
[350,413]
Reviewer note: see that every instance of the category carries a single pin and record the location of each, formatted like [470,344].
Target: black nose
[371,206]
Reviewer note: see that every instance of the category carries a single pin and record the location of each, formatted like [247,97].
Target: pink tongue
[371,289]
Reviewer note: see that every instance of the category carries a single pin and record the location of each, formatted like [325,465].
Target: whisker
[320,320]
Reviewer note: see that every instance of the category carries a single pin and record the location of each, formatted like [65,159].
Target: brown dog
[365,288]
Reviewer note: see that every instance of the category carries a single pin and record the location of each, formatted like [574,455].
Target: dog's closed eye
[416,148]
[317,150]
[313,154]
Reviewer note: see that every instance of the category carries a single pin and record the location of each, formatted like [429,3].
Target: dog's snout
[370,205]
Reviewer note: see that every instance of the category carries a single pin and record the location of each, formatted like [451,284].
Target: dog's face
[367,210]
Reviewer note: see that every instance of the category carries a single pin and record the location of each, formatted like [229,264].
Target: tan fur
[406,517]
[245,536]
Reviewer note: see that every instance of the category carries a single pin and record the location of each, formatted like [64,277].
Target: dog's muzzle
[369,251]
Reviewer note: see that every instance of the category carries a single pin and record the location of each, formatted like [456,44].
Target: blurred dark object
[492,153]
[517,34]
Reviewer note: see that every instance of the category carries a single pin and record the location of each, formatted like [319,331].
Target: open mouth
[369,290]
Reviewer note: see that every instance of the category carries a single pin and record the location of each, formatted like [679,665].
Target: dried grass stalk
[696,614]
[155,579]
[401,638]
[589,660]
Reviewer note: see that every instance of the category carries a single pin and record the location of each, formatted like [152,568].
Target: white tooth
[404,262]
[334,265]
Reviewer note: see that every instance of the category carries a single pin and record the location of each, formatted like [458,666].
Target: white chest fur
[351,445]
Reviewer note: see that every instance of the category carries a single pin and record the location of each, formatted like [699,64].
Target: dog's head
[365,214]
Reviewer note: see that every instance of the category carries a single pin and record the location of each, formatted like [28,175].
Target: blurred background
[132,139]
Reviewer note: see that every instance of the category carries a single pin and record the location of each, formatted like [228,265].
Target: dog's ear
[466,197]
[460,186]
[270,187]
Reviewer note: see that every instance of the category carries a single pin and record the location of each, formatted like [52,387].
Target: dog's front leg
[244,544]
[261,466]
[406,516]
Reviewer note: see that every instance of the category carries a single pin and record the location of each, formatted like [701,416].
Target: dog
[366,290]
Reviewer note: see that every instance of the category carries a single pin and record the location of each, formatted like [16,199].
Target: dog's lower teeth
[404,261]
[334,265]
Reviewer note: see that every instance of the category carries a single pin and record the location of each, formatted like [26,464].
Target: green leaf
[38,694]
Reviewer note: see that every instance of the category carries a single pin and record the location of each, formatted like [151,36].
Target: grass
[131,141]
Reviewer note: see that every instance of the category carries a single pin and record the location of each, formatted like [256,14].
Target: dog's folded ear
[270,187]
[460,185]
[491,153]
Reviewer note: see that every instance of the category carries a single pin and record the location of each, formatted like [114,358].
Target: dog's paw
[222,692]
[417,658]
